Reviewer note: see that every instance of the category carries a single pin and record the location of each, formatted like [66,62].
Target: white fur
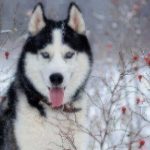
[34,132]
[57,37]
[74,71]
[76,20]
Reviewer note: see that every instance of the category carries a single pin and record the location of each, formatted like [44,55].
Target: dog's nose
[56,79]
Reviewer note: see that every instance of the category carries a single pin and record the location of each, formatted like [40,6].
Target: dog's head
[57,56]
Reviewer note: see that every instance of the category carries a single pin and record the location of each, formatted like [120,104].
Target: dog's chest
[57,131]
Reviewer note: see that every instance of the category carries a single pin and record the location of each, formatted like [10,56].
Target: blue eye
[45,55]
[69,55]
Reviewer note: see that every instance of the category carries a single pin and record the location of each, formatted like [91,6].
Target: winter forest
[119,85]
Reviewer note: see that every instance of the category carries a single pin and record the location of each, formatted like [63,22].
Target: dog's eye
[45,55]
[69,55]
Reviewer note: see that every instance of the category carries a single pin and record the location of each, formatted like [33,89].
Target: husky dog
[46,104]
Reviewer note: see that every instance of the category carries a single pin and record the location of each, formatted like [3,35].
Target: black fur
[7,137]
[78,42]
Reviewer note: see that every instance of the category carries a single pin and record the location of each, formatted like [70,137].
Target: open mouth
[56,96]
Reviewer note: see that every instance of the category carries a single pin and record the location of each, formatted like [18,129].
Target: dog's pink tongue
[56,96]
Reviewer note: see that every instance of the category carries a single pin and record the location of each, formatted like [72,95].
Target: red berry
[136,8]
[109,46]
[6,54]
[138,100]
[123,109]
[115,2]
[141,143]
[147,59]
[140,77]
[135,58]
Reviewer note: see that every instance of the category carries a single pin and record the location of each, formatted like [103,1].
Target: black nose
[56,78]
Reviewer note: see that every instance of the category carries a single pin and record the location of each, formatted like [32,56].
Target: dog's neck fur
[29,120]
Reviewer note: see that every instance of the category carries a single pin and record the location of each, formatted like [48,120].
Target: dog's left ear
[75,19]
[37,20]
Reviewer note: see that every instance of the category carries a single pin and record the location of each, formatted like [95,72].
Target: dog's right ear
[37,20]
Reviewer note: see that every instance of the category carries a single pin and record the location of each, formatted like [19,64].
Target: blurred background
[112,25]
[119,86]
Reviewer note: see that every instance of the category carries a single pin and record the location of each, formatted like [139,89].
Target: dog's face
[57,55]
[57,62]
